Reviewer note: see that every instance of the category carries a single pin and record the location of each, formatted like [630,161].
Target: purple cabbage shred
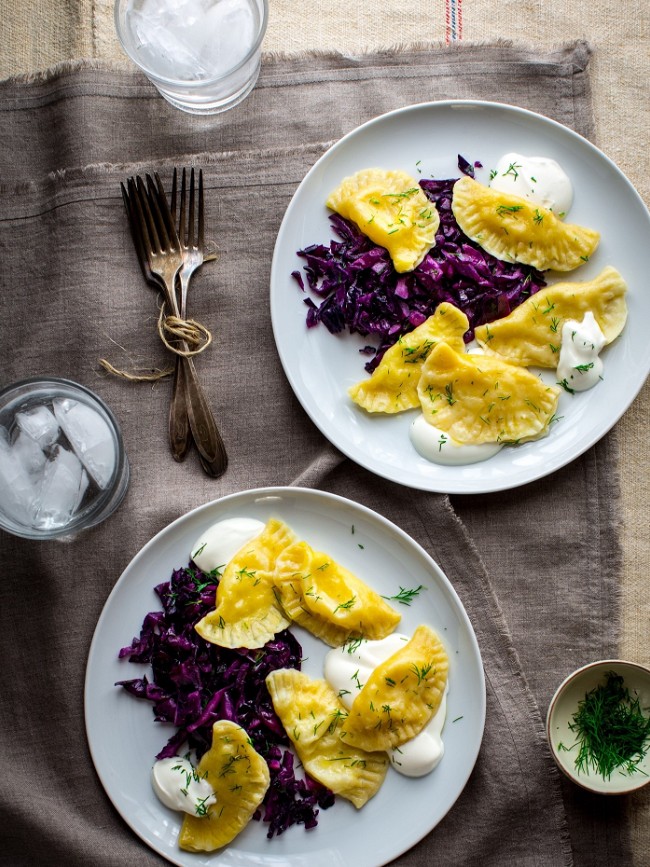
[194,683]
[358,289]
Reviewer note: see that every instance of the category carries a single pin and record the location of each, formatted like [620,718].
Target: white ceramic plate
[124,738]
[428,138]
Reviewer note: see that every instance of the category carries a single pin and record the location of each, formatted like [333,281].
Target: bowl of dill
[598,726]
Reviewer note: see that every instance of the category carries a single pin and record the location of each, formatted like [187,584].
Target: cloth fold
[73,293]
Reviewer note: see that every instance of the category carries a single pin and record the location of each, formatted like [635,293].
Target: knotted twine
[183,333]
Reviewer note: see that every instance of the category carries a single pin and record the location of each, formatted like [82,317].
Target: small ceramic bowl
[563,706]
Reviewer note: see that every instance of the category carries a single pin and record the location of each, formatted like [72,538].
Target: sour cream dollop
[179,787]
[438,447]
[580,366]
[348,667]
[217,545]
[539,179]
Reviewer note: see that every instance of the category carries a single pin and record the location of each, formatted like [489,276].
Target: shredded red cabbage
[468,168]
[360,290]
[195,683]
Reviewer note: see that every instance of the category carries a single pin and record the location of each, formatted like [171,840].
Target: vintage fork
[180,435]
[193,256]
[164,256]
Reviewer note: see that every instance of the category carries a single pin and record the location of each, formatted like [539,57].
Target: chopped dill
[352,645]
[612,731]
[508,209]
[565,385]
[512,170]
[346,605]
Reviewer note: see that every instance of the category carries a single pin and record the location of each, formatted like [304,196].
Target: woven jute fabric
[39,35]
[540,602]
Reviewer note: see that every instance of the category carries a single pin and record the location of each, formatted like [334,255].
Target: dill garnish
[508,209]
[405,596]
[611,728]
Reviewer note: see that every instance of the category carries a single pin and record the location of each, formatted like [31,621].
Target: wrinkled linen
[542,599]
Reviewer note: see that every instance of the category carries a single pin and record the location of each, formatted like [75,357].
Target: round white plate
[124,738]
[425,140]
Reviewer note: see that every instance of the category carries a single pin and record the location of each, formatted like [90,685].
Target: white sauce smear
[579,366]
[438,447]
[348,667]
[217,545]
[179,787]
[539,179]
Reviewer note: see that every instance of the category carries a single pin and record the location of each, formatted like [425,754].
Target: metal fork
[192,249]
[164,256]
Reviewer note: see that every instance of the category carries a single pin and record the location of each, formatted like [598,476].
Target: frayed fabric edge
[581,49]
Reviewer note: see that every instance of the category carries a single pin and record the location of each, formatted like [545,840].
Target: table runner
[68,137]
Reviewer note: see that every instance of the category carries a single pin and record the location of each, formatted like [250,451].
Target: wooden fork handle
[202,424]
[180,435]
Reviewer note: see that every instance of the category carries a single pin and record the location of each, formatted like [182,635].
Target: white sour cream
[539,179]
[438,447]
[579,366]
[179,787]
[217,545]
[348,667]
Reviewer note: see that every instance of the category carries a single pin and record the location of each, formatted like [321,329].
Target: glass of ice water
[202,55]
[63,467]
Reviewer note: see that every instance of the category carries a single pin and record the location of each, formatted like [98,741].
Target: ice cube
[29,454]
[61,490]
[228,34]
[164,45]
[39,423]
[90,436]
[17,489]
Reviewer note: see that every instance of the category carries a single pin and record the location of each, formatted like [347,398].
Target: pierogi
[514,229]
[390,208]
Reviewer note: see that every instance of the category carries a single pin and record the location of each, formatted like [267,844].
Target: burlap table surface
[38,34]
[66,141]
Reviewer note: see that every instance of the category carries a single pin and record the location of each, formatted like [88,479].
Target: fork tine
[190,231]
[172,204]
[145,217]
[153,201]
[141,216]
[136,233]
[201,213]
[159,198]
[182,224]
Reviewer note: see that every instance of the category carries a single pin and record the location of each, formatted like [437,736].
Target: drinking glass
[202,55]
[63,467]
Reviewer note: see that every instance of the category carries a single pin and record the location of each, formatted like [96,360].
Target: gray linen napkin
[72,292]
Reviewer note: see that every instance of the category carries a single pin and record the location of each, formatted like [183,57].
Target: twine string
[175,333]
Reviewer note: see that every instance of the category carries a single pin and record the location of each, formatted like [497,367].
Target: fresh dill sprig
[406,596]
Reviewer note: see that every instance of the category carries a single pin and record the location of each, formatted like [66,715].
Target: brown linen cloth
[72,293]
